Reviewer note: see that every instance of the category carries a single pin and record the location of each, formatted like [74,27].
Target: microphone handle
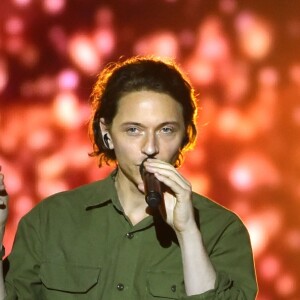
[152,190]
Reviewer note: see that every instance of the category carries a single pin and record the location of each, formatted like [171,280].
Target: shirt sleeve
[232,259]
[22,279]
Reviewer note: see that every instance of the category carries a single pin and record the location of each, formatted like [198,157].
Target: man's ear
[106,137]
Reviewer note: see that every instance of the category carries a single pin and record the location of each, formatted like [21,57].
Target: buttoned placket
[127,258]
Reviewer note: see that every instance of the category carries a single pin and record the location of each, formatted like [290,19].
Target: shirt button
[129,235]
[173,288]
[120,286]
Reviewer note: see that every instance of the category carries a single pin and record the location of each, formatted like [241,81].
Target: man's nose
[150,145]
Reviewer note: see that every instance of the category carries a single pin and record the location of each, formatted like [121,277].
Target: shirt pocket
[165,285]
[63,279]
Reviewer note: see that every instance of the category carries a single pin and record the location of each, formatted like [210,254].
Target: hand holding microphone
[153,187]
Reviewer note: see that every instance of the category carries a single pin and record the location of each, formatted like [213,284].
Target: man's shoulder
[211,210]
[216,221]
[204,202]
[72,199]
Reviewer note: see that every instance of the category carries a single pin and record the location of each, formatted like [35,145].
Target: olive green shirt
[79,244]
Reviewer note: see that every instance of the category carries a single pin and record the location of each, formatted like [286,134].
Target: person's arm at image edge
[3,218]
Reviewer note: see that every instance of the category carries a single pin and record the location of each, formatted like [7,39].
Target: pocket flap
[165,285]
[69,277]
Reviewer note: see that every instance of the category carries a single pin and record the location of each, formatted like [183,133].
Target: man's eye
[132,130]
[167,130]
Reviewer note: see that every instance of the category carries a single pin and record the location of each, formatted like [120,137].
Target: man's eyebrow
[175,123]
[169,123]
[132,123]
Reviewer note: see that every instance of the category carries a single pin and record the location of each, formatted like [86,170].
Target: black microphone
[153,190]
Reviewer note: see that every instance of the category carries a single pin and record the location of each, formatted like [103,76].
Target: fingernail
[3,193]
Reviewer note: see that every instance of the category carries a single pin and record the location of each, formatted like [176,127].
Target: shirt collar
[104,191]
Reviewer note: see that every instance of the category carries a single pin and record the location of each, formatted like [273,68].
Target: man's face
[147,123]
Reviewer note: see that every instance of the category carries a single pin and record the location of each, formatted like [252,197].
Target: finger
[167,208]
[3,199]
[163,168]
[171,178]
[3,193]
[1,179]
[2,186]
[175,188]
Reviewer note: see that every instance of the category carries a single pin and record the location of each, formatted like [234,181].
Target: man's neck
[131,198]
